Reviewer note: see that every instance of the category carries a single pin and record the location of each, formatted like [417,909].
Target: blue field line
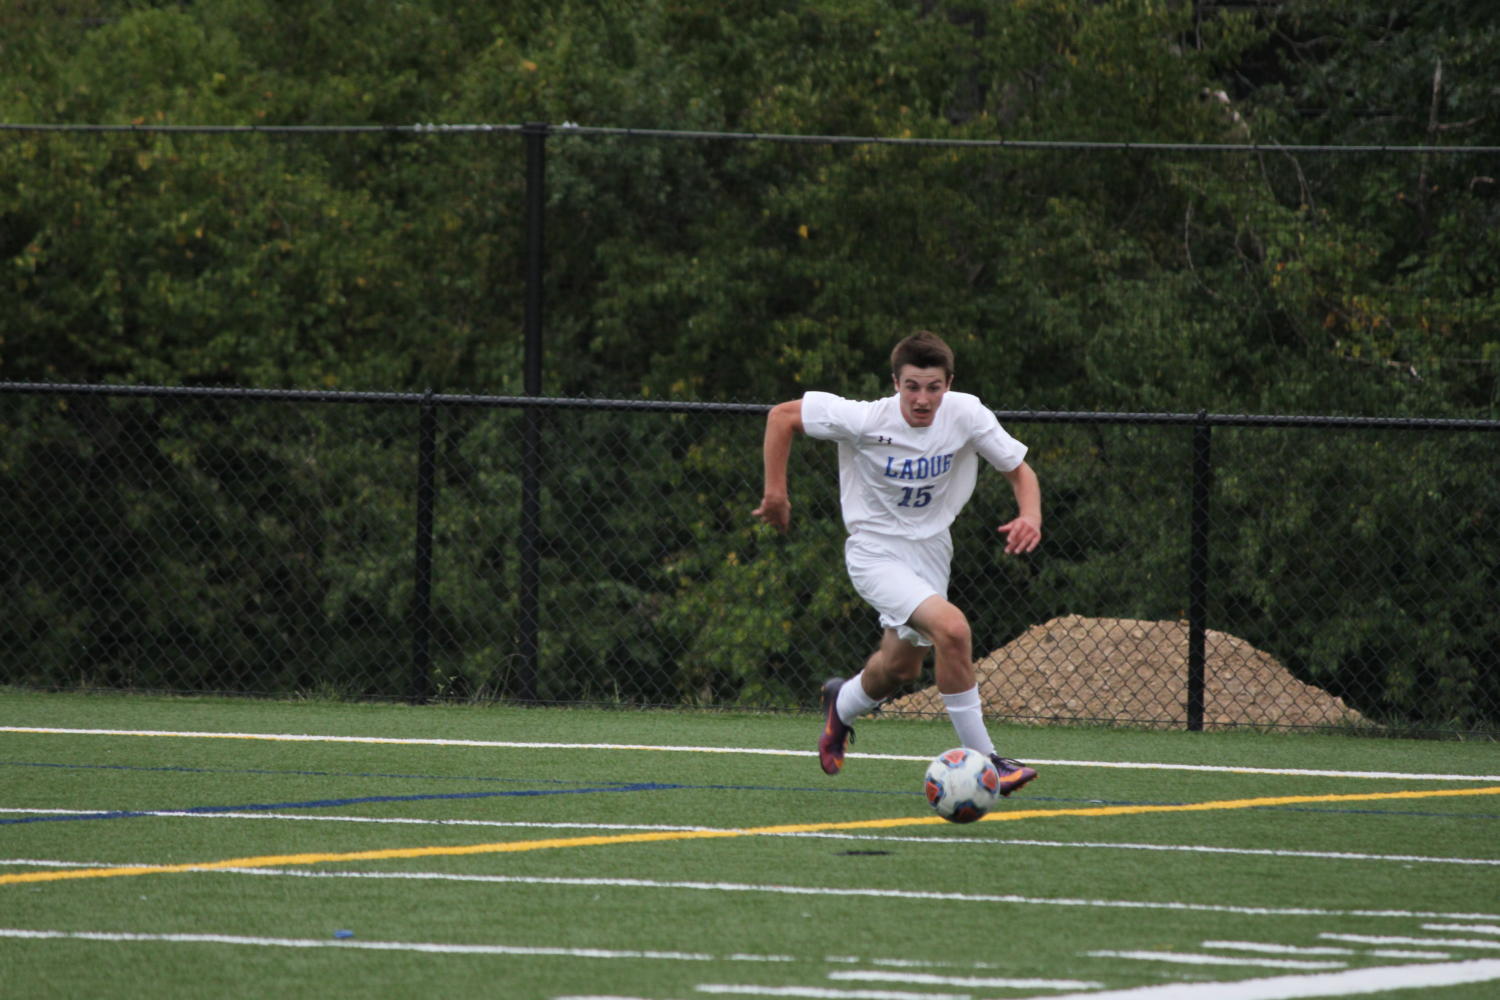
[649,786]
[536,792]
[272,772]
[269,772]
[636,787]
[641,786]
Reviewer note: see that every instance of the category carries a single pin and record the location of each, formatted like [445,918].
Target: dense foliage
[716,269]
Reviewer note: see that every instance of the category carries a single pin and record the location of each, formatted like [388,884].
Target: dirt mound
[1121,670]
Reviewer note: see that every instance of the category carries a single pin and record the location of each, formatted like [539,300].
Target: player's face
[921,391]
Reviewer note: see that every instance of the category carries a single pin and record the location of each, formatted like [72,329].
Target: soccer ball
[962,785]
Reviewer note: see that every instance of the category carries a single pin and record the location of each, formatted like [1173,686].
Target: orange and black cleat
[835,736]
[1013,774]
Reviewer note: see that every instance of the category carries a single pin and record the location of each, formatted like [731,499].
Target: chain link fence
[1197,570]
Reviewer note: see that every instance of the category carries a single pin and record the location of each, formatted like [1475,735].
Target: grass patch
[557,894]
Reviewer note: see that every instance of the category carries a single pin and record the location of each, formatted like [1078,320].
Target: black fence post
[534,137]
[421,601]
[1203,472]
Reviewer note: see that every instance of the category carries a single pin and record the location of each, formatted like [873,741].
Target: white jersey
[911,482]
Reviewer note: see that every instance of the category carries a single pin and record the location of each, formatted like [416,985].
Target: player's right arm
[783,423]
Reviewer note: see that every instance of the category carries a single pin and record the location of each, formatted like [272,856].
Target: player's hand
[775,511]
[1021,535]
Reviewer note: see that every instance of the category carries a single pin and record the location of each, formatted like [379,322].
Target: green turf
[737,911]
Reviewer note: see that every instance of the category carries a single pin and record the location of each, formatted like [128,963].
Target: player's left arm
[1023,533]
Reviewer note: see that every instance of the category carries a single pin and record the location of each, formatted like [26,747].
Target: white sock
[968,720]
[853,702]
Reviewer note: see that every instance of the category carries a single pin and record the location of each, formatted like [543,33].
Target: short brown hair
[923,349]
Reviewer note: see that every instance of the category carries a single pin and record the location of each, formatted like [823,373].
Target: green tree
[723,269]
[1390,266]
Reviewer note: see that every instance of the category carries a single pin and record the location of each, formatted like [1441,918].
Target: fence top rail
[1202,418]
[596,131]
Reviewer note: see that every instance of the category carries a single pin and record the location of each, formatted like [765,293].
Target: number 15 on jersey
[915,496]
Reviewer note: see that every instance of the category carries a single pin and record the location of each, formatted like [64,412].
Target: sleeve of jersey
[996,446]
[831,418]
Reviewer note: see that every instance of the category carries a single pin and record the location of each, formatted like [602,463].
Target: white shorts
[895,575]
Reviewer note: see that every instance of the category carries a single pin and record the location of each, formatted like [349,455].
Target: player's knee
[905,671]
[898,661]
[952,631]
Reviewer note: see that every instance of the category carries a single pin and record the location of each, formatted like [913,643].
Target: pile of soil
[1122,670]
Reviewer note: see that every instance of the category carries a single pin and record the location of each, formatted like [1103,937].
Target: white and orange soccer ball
[962,785]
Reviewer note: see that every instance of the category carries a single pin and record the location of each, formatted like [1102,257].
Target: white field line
[863,893]
[1279,988]
[1466,928]
[976,982]
[816,835]
[1127,846]
[763,751]
[1415,941]
[1187,958]
[1352,982]
[352,943]
[1289,949]
[529,951]
[905,963]
[1275,949]
[635,883]
[822,993]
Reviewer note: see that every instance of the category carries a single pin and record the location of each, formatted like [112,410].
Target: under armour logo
[882,439]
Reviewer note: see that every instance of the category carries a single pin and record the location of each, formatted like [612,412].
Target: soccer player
[907,465]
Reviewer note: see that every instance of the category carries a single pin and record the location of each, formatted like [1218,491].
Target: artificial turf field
[156,847]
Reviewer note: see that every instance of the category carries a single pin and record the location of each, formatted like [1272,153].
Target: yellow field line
[519,846]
